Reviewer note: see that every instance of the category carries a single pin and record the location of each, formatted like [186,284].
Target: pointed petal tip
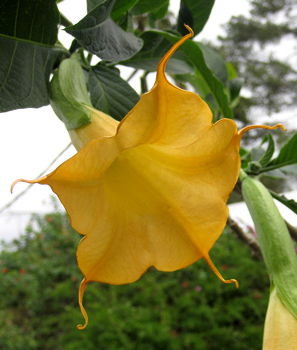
[26,181]
[170,52]
[14,183]
[81,292]
[217,272]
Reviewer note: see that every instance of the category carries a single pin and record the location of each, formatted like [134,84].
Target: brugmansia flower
[280,332]
[152,189]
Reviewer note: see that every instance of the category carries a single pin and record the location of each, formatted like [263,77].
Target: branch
[245,237]
[17,197]
[131,75]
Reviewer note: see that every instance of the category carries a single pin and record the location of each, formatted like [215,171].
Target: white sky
[30,139]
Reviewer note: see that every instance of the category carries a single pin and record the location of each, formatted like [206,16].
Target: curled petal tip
[217,272]
[14,183]
[81,292]
[170,52]
[80,327]
[233,280]
[280,126]
[190,30]
[27,181]
[242,131]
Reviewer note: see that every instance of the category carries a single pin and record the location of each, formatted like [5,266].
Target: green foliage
[264,160]
[117,32]
[35,21]
[110,93]
[146,6]
[194,13]
[69,95]
[186,309]
[28,31]
[275,242]
[287,155]
[100,35]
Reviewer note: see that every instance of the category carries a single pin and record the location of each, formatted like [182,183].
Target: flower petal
[280,332]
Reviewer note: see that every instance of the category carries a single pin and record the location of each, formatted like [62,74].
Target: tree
[257,44]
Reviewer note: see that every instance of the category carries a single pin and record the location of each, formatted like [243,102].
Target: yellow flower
[280,331]
[152,189]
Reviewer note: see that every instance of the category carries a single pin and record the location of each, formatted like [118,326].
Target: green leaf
[110,93]
[35,21]
[147,6]
[287,155]
[69,95]
[235,86]
[290,203]
[232,74]
[91,4]
[194,13]
[121,7]
[215,62]
[195,57]
[24,73]
[154,48]
[160,12]
[28,29]
[264,160]
[99,34]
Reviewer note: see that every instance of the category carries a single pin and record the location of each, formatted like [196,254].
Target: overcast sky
[30,139]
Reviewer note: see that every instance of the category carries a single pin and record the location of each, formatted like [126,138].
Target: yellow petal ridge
[81,292]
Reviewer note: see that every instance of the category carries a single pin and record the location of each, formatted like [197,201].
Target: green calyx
[69,95]
[275,242]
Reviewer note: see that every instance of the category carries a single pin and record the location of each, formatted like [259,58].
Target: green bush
[188,309]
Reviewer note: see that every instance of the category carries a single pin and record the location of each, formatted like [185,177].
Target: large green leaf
[28,29]
[195,57]
[110,93]
[24,73]
[30,20]
[154,48]
[215,62]
[99,34]
[194,13]
[287,155]
[68,94]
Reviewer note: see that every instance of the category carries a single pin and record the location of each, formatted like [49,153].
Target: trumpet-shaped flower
[280,332]
[152,189]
